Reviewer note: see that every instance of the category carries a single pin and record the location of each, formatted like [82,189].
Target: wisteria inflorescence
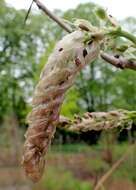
[121,119]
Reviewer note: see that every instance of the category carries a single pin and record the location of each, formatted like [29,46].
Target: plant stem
[53,16]
[120,62]
[119,32]
[128,36]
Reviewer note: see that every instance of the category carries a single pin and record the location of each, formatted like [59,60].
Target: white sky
[118,8]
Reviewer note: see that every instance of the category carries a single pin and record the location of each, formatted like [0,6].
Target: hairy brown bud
[57,76]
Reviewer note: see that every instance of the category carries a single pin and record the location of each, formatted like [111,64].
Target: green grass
[71,148]
[57,179]
[76,166]
[60,176]
[94,161]
[127,169]
[97,165]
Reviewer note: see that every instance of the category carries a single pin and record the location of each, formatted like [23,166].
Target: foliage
[70,106]
[71,148]
[21,48]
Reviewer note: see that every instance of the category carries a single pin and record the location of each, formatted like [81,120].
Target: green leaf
[101,13]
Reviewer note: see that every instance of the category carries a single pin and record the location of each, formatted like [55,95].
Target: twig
[119,61]
[114,167]
[28,12]
[121,33]
[52,16]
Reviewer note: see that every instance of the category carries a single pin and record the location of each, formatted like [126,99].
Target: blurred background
[75,161]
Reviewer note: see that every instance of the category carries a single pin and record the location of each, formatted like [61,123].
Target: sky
[118,8]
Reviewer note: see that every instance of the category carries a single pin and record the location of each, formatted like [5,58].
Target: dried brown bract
[70,55]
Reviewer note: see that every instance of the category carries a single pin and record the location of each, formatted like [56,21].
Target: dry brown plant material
[70,55]
[98,121]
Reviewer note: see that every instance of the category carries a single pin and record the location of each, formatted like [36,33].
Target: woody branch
[119,62]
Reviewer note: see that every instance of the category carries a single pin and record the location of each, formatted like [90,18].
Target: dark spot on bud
[119,65]
[83,27]
[61,82]
[84,52]
[77,61]
[90,42]
[51,112]
[93,37]
[117,56]
[110,16]
[60,49]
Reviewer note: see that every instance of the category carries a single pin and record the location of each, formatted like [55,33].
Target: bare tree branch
[98,121]
[52,16]
[119,61]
